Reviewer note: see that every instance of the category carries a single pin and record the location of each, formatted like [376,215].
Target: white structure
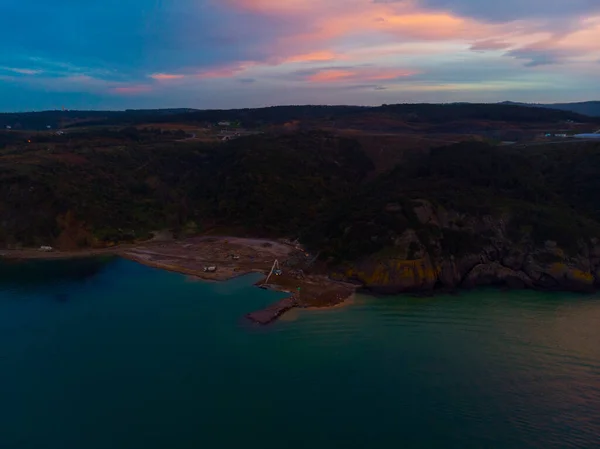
[8,127]
[587,136]
[224,123]
[274,270]
[46,249]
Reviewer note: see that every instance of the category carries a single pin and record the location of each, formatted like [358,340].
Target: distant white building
[224,123]
[8,127]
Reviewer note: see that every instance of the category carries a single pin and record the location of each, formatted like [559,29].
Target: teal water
[109,354]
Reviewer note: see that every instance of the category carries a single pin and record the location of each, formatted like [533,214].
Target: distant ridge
[590,108]
[506,112]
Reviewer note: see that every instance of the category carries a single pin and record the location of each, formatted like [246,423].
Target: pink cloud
[337,18]
[400,35]
[323,24]
[226,71]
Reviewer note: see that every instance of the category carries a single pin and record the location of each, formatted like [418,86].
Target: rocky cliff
[421,262]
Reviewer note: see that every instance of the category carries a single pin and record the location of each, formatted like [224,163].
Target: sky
[118,54]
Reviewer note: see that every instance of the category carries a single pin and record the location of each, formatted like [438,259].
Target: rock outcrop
[415,264]
[495,273]
[395,275]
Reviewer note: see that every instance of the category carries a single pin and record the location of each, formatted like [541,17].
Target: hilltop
[589,108]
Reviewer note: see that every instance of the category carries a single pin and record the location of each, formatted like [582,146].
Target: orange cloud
[358,75]
[396,28]
[584,39]
[317,56]
[335,18]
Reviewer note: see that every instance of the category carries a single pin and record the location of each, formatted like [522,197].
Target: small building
[224,123]
[210,269]
[8,127]
[46,249]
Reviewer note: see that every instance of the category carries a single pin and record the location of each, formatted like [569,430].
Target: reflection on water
[140,358]
[46,272]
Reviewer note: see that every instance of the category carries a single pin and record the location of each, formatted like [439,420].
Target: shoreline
[233,257]
[348,301]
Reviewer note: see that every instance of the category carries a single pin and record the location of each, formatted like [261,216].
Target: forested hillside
[529,215]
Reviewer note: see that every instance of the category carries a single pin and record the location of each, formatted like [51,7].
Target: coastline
[233,257]
[317,292]
[348,301]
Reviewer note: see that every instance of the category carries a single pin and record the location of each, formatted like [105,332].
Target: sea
[109,354]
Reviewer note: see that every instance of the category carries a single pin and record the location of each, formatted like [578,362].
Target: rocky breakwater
[447,250]
[274,311]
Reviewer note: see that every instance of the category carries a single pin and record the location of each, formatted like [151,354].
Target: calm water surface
[108,354]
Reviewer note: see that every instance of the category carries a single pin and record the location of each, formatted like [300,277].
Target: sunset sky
[116,54]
